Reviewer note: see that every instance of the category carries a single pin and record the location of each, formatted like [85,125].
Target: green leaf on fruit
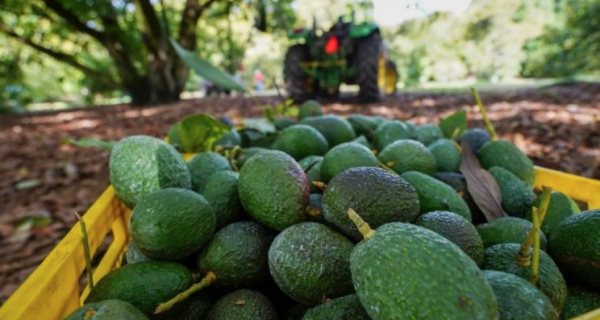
[197,133]
[88,142]
[454,122]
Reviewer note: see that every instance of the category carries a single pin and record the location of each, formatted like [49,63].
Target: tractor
[319,62]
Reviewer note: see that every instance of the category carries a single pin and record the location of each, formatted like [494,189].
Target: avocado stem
[486,120]
[319,185]
[524,255]
[535,263]
[86,252]
[386,168]
[209,279]
[361,225]
[313,212]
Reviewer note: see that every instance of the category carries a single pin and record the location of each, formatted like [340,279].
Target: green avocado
[435,195]
[310,108]
[560,208]
[412,129]
[456,229]
[203,165]
[518,299]
[133,253]
[507,230]
[390,131]
[140,165]
[301,141]
[363,141]
[429,133]
[517,196]
[229,139]
[579,301]
[346,307]
[502,257]
[246,153]
[243,305]
[196,307]
[312,167]
[296,312]
[250,137]
[476,138]
[446,154]
[283,122]
[363,125]
[171,224]
[575,246]
[237,255]
[310,262]
[316,208]
[274,189]
[107,310]
[221,192]
[377,195]
[335,129]
[436,278]
[144,284]
[503,153]
[408,155]
[345,156]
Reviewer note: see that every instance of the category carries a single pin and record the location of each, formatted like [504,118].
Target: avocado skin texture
[316,205]
[376,195]
[274,189]
[503,153]
[517,196]
[408,155]
[237,254]
[144,284]
[335,129]
[196,307]
[310,108]
[133,253]
[312,167]
[345,156]
[301,141]
[107,310]
[476,138]
[363,125]
[140,165]
[221,192]
[408,272]
[456,229]
[246,153]
[346,307]
[283,122]
[429,133]
[296,312]
[389,132]
[560,208]
[435,195]
[518,299]
[310,262]
[412,129]
[203,165]
[502,257]
[458,182]
[579,301]
[243,305]
[229,139]
[172,224]
[363,141]
[507,230]
[446,154]
[575,246]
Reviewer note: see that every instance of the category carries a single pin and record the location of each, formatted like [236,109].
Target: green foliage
[455,124]
[198,132]
[88,142]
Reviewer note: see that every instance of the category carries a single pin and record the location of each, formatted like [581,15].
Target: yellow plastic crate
[52,291]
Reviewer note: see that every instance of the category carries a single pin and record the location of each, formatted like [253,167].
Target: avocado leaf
[89,142]
[455,121]
[259,124]
[198,132]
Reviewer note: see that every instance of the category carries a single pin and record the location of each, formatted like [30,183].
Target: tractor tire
[297,83]
[368,52]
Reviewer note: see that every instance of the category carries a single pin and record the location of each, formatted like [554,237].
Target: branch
[73,20]
[149,15]
[60,56]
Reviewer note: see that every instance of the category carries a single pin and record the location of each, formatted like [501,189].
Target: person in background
[258,80]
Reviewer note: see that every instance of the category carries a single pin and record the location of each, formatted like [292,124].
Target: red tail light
[332,45]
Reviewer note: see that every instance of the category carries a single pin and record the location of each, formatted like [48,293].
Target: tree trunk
[151,90]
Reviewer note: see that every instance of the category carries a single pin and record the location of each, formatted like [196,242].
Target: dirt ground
[43,181]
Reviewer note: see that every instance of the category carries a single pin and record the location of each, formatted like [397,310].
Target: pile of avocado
[340,218]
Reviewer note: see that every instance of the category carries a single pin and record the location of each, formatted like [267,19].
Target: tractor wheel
[369,53]
[391,77]
[298,84]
